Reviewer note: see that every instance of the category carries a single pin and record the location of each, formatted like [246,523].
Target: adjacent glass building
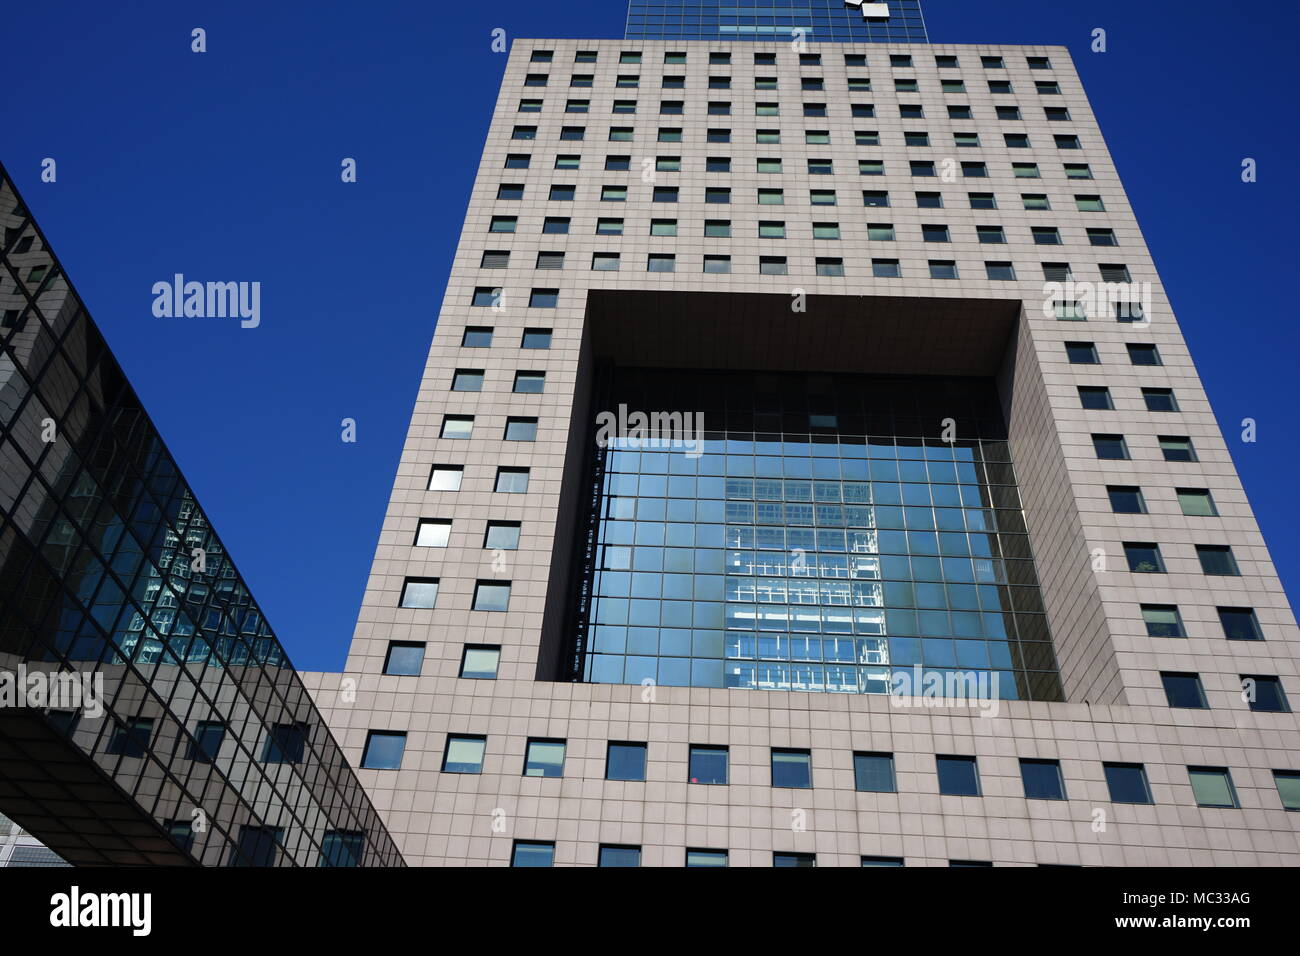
[152,715]
[896,21]
[823,533]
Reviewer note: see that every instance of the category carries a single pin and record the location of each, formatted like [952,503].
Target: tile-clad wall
[1106,657]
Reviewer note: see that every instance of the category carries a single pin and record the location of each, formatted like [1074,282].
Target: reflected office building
[148,715]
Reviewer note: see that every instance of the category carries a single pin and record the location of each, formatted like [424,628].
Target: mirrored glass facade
[172,728]
[825,533]
[774,20]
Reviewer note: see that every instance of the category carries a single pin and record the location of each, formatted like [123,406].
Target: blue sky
[225,165]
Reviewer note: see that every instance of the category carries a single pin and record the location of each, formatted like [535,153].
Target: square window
[1239,624]
[771,230]
[877,198]
[512,481]
[866,137]
[826,230]
[618,163]
[1288,788]
[1144,355]
[1144,558]
[530,383]
[943,269]
[886,269]
[624,856]
[1127,782]
[717,164]
[829,267]
[874,772]
[1000,270]
[772,266]
[990,235]
[880,231]
[663,227]
[285,743]
[544,758]
[467,380]
[918,167]
[445,477]
[604,262]
[1126,500]
[791,768]
[1078,171]
[520,429]
[433,533]
[501,536]
[1196,502]
[506,224]
[771,197]
[486,297]
[717,265]
[609,227]
[707,765]
[476,337]
[934,233]
[464,754]
[518,161]
[608,193]
[625,761]
[1163,620]
[555,225]
[1036,201]
[717,228]
[1264,694]
[1110,447]
[620,134]
[495,259]
[510,191]
[718,136]
[1082,353]
[457,426]
[131,738]
[1159,399]
[1025,170]
[208,737]
[929,200]
[384,750]
[1046,236]
[1217,559]
[664,194]
[419,593]
[1212,787]
[532,853]
[543,298]
[1183,690]
[1089,204]
[536,339]
[717,195]
[708,858]
[958,776]
[659,262]
[480,661]
[1042,779]
[1177,448]
[1095,397]
[491,596]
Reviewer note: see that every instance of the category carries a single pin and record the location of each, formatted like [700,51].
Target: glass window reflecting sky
[790,559]
[821,20]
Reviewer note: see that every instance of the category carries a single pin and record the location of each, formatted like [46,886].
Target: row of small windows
[1217,560]
[1098,398]
[791,768]
[421,594]
[880,268]
[509,480]
[767,265]
[771,196]
[722,164]
[766,58]
[673,134]
[1115,447]
[807,84]
[875,199]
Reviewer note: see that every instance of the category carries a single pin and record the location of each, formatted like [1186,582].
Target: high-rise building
[148,715]
[808,470]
